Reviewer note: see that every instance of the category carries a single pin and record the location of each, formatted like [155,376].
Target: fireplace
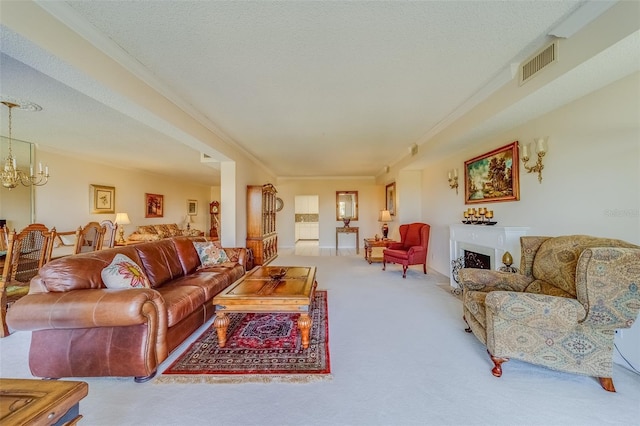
[485,245]
[473,259]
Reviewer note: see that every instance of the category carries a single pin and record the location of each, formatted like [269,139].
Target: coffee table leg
[221,323]
[304,325]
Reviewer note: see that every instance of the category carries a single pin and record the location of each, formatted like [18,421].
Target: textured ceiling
[309,88]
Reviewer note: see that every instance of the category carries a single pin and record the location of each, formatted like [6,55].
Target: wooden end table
[369,243]
[256,292]
[40,402]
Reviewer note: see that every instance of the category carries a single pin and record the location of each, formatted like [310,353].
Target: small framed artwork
[390,198]
[154,205]
[493,177]
[192,207]
[103,199]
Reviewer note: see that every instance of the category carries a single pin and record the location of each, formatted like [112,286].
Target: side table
[41,402]
[369,243]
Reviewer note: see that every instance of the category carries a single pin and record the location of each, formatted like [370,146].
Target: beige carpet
[430,372]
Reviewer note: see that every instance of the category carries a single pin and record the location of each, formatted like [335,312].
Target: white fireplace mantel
[493,241]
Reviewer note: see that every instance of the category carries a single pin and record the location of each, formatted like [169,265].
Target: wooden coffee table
[40,402]
[256,292]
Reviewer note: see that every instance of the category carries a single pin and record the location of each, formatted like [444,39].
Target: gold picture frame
[192,207]
[390,198]
[102,199]
[493,177]
[153,205]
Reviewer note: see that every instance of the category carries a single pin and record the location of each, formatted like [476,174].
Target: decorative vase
[346,221]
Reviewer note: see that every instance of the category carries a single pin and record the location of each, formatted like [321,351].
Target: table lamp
[121,220]
[385,216]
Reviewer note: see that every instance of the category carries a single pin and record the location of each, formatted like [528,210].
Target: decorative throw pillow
[147,229]
[162,230]
[209,254]
[173,229]
[123,272]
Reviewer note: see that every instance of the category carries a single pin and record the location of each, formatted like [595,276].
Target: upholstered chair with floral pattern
[561,311]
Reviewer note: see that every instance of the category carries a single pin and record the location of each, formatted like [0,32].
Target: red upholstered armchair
[412,248]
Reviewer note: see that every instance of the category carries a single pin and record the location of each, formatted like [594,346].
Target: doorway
[307,222]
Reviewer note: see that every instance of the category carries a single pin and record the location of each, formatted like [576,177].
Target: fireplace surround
[491,241]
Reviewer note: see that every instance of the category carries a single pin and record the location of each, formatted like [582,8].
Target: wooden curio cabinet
[262,238]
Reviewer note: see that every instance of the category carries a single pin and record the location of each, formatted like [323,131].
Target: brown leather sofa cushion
[181,301]
[160,261]
[86,267]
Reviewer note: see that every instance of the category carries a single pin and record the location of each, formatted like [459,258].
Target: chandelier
[11,176]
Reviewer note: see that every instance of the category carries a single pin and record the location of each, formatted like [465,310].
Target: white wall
[370,202]
[591,179]
[64,201]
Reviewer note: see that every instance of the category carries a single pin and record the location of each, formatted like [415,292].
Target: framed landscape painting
[154,205]
[493,176]
[103,199]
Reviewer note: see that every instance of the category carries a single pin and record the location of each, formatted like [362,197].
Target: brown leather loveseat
[83,329]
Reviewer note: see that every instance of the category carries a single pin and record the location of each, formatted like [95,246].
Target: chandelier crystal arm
[11,176]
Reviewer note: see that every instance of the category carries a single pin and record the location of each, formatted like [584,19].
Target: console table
[369,243]
[348,230]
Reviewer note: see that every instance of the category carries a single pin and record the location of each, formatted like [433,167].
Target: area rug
[260,348]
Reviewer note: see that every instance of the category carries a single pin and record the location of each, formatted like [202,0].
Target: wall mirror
[346,205]
[17,206]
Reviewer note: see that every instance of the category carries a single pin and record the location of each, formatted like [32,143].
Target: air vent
[535,64]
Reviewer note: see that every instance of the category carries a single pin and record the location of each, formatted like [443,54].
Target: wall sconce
[453,179]
[541,150]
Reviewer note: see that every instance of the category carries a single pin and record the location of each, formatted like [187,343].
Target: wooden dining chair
[109,231]
[27,251]
[90,238]
[3,239]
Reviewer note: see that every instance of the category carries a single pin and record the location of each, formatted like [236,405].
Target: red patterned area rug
[260,348]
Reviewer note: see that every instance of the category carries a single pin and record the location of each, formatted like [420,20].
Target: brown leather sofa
[82,329]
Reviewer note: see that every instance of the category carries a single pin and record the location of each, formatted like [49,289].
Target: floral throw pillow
[210,254]
[123,272]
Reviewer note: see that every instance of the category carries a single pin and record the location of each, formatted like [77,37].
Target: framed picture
[493,176]
[390,198]
[103,199]
[192,207]
[154,205]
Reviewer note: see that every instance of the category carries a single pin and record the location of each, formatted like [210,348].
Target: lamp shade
[385,216]
[122,219]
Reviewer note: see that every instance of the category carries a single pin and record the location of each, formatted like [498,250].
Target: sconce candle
[452,177]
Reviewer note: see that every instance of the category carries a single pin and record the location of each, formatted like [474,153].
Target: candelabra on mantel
[479,216]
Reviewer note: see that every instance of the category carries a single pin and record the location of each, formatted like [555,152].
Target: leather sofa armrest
[239,252]
[607,284]
[535,310]
[87,309]
[486,280]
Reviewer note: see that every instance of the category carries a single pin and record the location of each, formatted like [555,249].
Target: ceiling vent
[538,62]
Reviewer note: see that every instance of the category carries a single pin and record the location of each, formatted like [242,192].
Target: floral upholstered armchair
[561,311]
